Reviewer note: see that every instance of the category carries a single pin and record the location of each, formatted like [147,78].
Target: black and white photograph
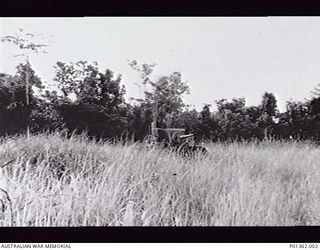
[159,121]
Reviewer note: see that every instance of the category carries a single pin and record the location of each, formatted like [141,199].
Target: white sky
[219,57]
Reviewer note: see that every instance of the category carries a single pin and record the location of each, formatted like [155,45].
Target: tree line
[86,99]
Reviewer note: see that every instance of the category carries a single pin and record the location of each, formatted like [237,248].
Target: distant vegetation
[86,99]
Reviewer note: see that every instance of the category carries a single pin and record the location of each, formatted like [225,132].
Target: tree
[252,123]
[5,94]
[163,96]
[24,41]
[139,118]
[84,83]
[230,118]
[18,84]
[298,122]
[14,109]
[91,100]
[269,104]
[26,44]
[269,113]
[206,122]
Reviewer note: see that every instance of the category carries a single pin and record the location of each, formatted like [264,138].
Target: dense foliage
[87,99]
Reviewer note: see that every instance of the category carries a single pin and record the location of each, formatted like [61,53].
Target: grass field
[104,184]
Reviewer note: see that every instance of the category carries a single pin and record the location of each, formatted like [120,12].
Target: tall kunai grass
[55,181]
